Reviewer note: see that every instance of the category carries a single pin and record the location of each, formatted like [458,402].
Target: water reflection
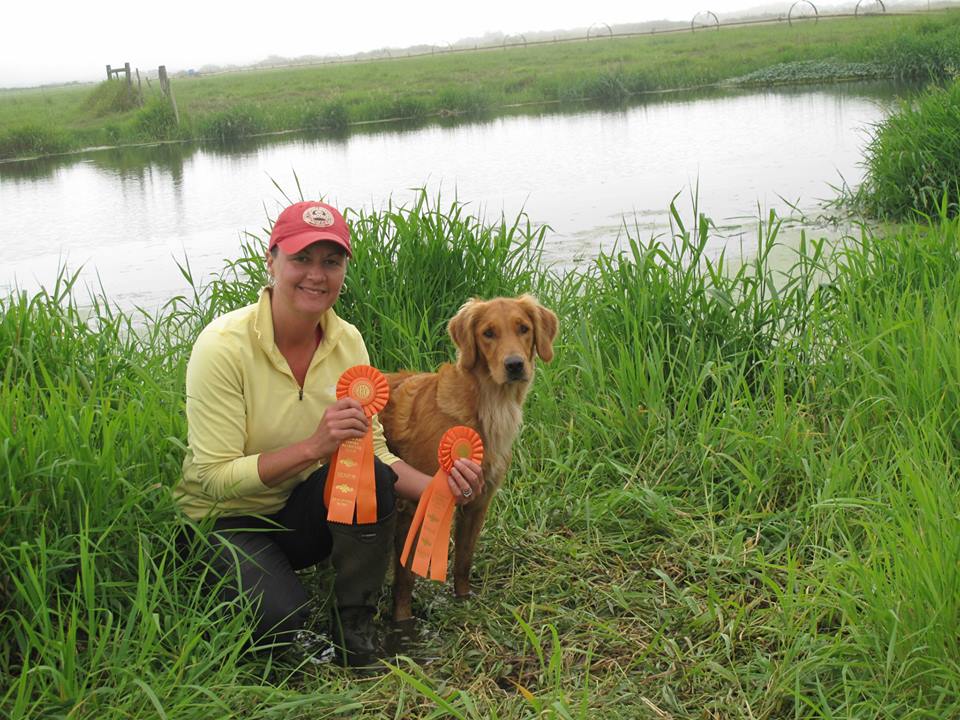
[123,162]
[127,213]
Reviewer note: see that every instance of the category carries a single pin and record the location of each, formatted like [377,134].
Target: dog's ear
[544,326]
[460,328]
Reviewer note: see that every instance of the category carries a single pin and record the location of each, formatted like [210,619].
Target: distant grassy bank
[330,98]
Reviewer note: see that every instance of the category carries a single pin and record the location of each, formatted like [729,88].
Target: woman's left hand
[466,481]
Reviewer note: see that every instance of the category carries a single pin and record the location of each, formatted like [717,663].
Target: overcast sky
[56,41]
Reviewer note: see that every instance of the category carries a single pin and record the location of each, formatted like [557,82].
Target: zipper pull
[301,394]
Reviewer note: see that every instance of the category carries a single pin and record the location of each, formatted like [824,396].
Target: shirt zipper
[319,340]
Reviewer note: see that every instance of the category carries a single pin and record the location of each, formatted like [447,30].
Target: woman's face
[308,281]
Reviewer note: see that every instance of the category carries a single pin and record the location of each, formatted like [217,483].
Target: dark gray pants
[259,556]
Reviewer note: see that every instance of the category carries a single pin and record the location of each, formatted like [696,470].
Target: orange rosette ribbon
[434,514]
[350,482]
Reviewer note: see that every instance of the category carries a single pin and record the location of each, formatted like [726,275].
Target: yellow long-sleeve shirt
[243,400]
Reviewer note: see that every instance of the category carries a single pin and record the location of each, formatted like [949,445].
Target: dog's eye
[523,329]
[488,333]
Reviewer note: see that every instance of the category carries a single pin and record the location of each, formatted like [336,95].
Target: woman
[263,421]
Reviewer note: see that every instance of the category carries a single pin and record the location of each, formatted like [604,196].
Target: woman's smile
[312,290]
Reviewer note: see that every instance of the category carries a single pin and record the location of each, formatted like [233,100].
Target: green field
[329,98]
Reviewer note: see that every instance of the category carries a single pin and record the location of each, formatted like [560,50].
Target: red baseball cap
[307,222]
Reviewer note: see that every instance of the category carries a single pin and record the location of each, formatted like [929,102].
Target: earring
[271,281]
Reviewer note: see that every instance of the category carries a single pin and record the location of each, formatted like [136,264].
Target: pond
[127,216]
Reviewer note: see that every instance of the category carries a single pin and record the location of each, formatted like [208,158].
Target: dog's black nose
[514,367]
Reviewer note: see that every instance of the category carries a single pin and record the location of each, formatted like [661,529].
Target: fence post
[109,76]
[168,91]
[126,71]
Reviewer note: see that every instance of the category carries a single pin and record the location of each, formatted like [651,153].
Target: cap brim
[295,243]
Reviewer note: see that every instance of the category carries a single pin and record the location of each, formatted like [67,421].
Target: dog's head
[504,335]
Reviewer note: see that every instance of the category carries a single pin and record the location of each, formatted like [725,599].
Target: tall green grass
[913,159]
[735,494]
[34,140]
[112,96]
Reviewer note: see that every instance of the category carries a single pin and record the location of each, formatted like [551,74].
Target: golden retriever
[497,343]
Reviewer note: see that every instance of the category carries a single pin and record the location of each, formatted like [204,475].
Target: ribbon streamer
[434,514]
[350,482]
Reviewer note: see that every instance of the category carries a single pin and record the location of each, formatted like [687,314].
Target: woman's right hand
[341,421]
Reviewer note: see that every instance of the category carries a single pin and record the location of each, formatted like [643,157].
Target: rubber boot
[360,556]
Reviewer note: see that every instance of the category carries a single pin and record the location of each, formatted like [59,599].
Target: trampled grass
[735,494]
[326,98]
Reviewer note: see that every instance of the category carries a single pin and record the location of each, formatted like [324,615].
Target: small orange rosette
[431,524]
[350,482]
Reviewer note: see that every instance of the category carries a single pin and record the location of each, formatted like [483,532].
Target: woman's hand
[466,481]
[341,421]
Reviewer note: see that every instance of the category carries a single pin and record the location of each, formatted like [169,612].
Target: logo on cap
[318,217]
